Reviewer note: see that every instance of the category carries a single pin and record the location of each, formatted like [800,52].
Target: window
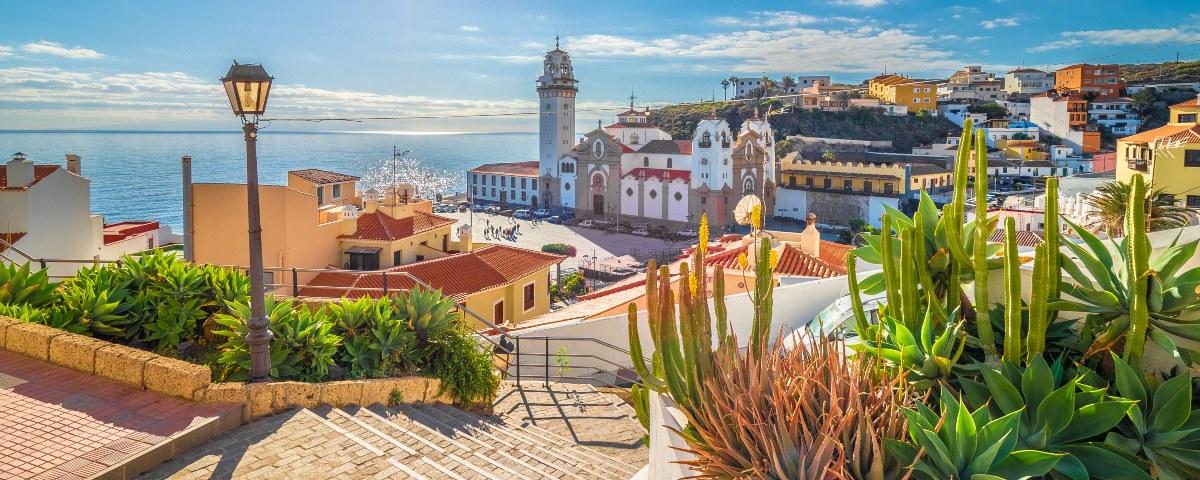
[653,194]
[847,185]
[1191,158]
[398,257]
[474,190]
[628,192]
[493,191]
[1187,118]
[867,186]
[474,179]
[668,162]
[887,188]
[498,312]
[678,196]
[645,161]
[808,182]
[828,183]
[529,297]
[1193,201]
[503,181]
[633,139]
[792,181]
[493,181]
[703,200]
[523,196]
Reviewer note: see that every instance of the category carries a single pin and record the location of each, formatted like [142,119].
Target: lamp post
[248,86]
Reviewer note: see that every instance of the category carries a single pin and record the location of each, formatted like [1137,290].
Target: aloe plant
[1057,414]
[958,443]
[1162,428]
[429,313]
[302,346]
[20,285]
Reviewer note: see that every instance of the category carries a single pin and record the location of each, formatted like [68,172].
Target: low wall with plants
[158,307]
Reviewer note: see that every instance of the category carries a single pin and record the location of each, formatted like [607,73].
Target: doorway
[598,204]
[498,313]
[533,202]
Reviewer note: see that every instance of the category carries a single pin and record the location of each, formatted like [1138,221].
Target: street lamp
[248,86]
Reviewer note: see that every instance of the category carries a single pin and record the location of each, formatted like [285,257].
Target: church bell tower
[556,89]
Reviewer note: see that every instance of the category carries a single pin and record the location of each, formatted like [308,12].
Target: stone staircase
[409,441]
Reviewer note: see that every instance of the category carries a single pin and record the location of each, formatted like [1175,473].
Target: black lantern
[247,86]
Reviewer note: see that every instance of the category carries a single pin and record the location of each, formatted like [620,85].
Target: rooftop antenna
[556,40]
[632,97]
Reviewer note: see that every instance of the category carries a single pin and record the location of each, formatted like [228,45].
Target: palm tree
[788,83]
[1111,199]
[725,87]
[733,82]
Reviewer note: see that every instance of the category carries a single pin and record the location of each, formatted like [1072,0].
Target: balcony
[1139,164]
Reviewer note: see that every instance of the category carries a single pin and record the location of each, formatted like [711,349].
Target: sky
[155,65]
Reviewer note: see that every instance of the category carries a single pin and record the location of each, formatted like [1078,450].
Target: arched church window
[563,69]
[748,186]
[703,161]
[706,140]
[550,68]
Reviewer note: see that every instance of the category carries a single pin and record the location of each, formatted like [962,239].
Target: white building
[1135,87]
[743,86]
[1017,109]
[971,84]
[1114,113]
[505,183]
[45,213]
[1028,81]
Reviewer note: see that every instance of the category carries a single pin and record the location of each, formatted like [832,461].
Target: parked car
[688,233]
[493,209]
[587,223]
[541,213]
[641,231]
[506,213]
[555,219]
[522,214]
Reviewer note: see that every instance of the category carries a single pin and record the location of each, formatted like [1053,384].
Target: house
[1135,87]
[1105,80]
[380,231]
[1065,116]
[743,87]
[501,284]
[1027,81]
[1114,113]
[855,185]
[45,213]
[899,90]
[1168,156]
[971,84]
[1024,150]
[512,183]
[330,188]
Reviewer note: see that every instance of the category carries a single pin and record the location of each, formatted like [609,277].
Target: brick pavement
[60,423]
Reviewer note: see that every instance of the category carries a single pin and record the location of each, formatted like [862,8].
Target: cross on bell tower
[632,97]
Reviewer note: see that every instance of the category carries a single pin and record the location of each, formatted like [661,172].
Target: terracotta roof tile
[380,226]
[793,261]
[525,169]
[1166,132]
[1024,239]
[457,276]
[322,177]
[39,172]
[7,238]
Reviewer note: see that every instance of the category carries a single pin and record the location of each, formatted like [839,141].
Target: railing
[493,336]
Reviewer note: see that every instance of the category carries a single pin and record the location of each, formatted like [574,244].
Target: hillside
[1162,72]
[858,124]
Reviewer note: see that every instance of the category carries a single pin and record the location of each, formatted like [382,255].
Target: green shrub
[21,286]
[464,367]
[302,346]
[556,248]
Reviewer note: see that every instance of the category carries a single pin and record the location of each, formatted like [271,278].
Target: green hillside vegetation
[1162,72]
[905,132]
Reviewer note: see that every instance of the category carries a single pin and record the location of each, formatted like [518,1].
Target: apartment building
[917,95]
[1066,117]
[1083,77]
[505,183]
[1168,156]
[1027,81]
[972,84]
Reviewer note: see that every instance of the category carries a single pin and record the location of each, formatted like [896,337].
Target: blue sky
[109,64]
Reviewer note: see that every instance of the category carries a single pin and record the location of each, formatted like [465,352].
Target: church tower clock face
[598,148]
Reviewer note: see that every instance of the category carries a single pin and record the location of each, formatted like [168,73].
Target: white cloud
[860,3]
[956,16]
[973,39]
[469,28]
[534,45]
[1000,22]
[784,50]
[5,51]
[767,18]
[949,37]
[59,50]
[1118,37]
[511,59]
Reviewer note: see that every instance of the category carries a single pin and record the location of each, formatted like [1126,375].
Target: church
[634,172]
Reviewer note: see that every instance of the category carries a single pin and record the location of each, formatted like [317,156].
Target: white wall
[652,206]
[60,221]
[629,204]
[677,210]
[791,203]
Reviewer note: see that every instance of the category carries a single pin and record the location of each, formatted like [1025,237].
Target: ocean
[136,175]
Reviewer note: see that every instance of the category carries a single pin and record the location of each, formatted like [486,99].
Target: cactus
[1012,294]
[987,338]
[856,304]
[890,282]
[1137,281]
[1053,234]
[1039,318]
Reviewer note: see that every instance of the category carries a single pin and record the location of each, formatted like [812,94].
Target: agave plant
[1163,428]
[19,285]
[429,313]
[958,443]
[926,358]
[353,321]
[1168,310]
[54,317]
[94,297]
[1057,414]
[302,346]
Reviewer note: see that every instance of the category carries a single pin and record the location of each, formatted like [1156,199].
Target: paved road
[587,241]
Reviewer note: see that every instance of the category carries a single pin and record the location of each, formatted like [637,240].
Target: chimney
[464,238]
[810,238]
[73,164]
[189,246]
[20,171]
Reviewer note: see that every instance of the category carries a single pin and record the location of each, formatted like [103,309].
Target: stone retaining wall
[150,371]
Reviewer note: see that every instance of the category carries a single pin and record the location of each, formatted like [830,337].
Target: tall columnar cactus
[987,338]
[890,280]
[1138,279]
[856,304]
[1053,232]
[1012,294]
[1039,318]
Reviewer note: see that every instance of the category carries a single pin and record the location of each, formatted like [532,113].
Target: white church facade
[634,172]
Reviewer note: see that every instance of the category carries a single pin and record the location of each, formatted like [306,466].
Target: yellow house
[501,284]
[1168,156]
[864,178]
[900,90]
[1022,149]
[393,232]
[330,188]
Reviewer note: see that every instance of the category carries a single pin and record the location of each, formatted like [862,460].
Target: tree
[1110,201]
[992,109]
[725,88]
[733,82]
[788,83]
[829,156]
[765,87]
[1020,136]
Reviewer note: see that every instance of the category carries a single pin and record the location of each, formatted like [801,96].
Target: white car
[641,231]
[541,213]
[688,233]
[589,223]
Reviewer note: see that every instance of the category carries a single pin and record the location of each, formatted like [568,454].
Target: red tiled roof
[457,276]
[659,173]
[793,261]
[115,232]
[632,112]
[835,254]
[633,125]
[1166,132]
[522,169]
[1024,239]
[9,238]
[380,226]
[322,177]
[1191,102]
[39,172]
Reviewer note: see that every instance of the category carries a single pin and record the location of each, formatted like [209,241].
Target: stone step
[437,454]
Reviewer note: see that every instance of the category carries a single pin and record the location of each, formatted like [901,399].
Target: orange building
[1083,77]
